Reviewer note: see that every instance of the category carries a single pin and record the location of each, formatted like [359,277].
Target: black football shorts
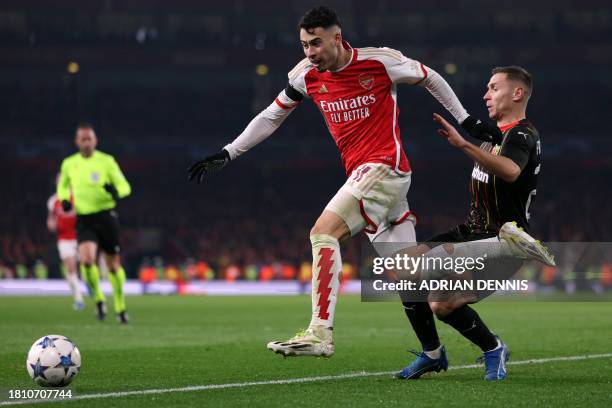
[101,227]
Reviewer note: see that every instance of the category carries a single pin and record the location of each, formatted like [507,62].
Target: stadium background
[166,83]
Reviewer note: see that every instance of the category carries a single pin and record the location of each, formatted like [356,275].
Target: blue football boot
[495,361]
[424,364]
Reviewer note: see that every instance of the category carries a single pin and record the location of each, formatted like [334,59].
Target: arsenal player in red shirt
[64,225]
[356,91]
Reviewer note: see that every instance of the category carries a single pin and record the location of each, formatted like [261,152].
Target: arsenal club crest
[366,81]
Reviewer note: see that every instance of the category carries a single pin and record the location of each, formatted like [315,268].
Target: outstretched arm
[264,124]
[441,90]
[402,69]
[258,130]
[501,166]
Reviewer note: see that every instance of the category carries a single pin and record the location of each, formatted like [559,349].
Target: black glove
[110,189]
[66,206]
[482,130]
[213,163]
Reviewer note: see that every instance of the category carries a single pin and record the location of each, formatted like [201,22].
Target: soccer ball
[53,361]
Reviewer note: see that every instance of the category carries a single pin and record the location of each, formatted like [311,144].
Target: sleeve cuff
[462,117]
[231,151]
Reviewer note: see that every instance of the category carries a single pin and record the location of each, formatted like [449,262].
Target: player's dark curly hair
[319,16]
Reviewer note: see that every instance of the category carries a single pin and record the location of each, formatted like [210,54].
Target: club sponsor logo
[341,104]
[480,175]
[346,110]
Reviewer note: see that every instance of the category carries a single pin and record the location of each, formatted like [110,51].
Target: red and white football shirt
[66,221]
[359,103]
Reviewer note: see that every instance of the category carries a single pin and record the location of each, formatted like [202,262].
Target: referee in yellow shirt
[96,183]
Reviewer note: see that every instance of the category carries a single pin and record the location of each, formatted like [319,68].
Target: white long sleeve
[262,126]
[402,69]
[441,90]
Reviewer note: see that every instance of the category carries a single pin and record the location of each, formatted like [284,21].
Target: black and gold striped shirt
[494,201]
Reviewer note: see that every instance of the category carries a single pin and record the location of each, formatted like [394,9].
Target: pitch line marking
[287,381]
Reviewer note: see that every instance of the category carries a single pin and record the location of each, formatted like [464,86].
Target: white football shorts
[67,248]
[381,202]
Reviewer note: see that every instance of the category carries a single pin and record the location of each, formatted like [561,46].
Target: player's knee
[113,264]
[87,256]
[330,225]
[441,309]
[318,228]
[322,227]
[449,248]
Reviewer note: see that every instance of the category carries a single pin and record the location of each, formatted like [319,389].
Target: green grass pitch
[191,341]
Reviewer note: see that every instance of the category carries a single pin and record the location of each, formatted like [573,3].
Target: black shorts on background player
[102,228]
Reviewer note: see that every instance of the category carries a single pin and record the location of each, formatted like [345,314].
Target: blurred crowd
[261,215]
[166,83]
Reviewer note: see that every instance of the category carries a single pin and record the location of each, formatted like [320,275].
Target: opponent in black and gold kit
[502,186]
[493,200]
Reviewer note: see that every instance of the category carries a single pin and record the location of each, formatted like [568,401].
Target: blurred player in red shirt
[64,225]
